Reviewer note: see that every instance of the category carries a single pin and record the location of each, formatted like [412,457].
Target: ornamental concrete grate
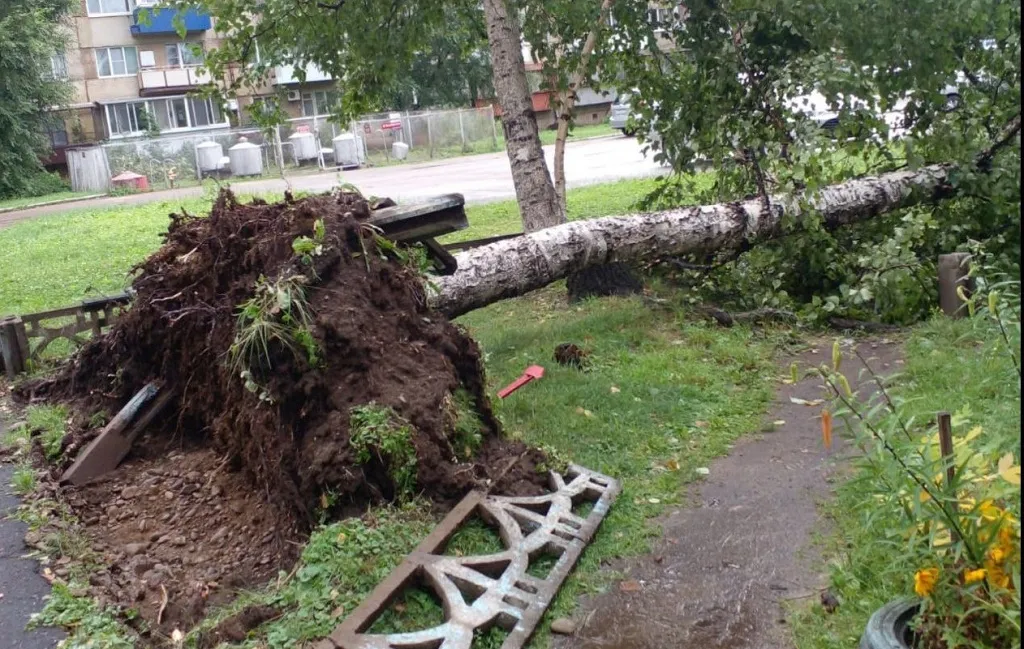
[478,592]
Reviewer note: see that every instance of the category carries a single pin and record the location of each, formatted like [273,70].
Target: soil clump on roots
[306,362]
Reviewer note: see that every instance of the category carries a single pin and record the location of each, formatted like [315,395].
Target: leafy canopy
[31,31]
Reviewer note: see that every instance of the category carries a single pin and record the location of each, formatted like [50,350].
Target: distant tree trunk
[516,266]
[569,98]
[538,204]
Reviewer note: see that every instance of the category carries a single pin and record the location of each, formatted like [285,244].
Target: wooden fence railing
[23,339]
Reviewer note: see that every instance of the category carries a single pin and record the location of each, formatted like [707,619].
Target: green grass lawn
[17,203]
[959,366]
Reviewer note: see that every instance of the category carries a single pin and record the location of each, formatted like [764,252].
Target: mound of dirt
[272,322]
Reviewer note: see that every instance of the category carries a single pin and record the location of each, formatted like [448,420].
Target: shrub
[42,183]
[953,520]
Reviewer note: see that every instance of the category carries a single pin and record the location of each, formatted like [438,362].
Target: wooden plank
[105,453]
[424,220]
[475,243]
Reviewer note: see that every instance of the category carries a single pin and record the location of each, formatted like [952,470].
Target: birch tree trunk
[516,266]
[535,194]
[568,101]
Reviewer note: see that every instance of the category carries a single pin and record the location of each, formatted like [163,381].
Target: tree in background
[31,32]
[454,70]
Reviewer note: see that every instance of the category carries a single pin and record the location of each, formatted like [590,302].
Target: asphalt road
[22,590]
[480,178]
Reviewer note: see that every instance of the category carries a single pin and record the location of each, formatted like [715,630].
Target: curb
[4,210]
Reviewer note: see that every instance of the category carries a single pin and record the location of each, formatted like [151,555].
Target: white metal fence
[429,134]
[174,159]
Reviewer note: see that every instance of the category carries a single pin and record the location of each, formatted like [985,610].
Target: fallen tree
[516,266]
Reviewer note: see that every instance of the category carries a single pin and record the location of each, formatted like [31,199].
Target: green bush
[43,183]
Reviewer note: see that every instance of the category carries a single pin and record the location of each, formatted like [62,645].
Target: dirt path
[726,566]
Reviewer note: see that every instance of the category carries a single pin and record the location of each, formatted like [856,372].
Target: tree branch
[984,161]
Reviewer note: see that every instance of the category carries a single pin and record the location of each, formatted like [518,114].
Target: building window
[59,66]
[319,102]
[180,55]
[58,136]
[170,114]
[117,61]
[109,7]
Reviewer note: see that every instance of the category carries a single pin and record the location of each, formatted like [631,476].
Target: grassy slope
[950,365]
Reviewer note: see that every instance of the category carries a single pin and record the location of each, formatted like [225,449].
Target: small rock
[155,537]
[133,549]
[142,524]
[130,493]
[179,541]
[563,626]
[169,495]
[112,511]
[216,490]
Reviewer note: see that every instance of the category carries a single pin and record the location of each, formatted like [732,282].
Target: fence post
[953,273]
[462,131]
[199,169]
[279,149]
[10,346]
[430,137]
[494,127]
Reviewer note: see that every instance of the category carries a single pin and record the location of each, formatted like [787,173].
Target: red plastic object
[531,373]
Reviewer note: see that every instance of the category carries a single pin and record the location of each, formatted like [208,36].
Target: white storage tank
[209,154]
[346,150]
[304,145]
[399,150]
[246,159]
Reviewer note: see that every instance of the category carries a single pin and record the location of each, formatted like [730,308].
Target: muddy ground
[729,564]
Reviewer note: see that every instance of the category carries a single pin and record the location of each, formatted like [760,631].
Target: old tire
[889,626]
[616,278]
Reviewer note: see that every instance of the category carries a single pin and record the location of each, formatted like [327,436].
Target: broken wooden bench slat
[105,453]
[481,591]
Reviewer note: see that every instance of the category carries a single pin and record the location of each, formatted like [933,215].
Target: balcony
[154,82]
[286,74]
[161,21]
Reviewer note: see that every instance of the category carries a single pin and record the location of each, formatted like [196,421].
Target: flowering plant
[957,502]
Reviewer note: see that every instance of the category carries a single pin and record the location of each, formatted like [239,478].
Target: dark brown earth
[217,496]
[727,565]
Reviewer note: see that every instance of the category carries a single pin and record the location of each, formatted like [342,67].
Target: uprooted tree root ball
[300,345]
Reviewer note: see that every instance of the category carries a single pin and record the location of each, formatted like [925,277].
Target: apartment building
[133,74]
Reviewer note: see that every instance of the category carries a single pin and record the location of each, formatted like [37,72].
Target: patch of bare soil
[727,566]
[217,497]
[180,532]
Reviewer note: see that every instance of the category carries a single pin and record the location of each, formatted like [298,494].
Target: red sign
[391,125]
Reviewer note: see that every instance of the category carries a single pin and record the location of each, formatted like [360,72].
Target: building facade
[133,74]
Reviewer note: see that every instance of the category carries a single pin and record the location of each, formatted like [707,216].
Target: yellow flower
[989,511]
[925,580]
[974,576]
[997,554]
[996,575]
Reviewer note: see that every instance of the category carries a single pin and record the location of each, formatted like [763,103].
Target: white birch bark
[516,266]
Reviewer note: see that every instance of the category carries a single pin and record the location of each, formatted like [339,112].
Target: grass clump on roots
[278,312]
[377,432]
